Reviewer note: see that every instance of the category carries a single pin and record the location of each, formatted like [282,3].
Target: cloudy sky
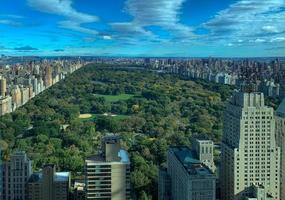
[190,28]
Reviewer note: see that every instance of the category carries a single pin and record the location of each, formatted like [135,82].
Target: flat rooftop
[190,162]
[58,177]
[122,154]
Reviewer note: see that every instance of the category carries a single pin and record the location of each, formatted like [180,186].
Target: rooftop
[123,154]
[58,177]
[188,159]
[61,176]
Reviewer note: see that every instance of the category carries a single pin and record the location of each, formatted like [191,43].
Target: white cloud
[11,20]
[270,29]
[64,8]
[248,19]
[278,39]
[6,21]
[258,40]
[162,13]
[107,37]
[75,26]
[130,28]
[158,12]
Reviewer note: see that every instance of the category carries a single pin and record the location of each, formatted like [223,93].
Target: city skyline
[182,28]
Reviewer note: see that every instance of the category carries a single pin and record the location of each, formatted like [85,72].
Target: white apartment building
[250,155]
[280,138]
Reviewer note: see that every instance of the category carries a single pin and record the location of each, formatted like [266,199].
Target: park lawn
[93,117]
[114,98]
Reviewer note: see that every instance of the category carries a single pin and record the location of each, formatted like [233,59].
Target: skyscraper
[3,87]
[49,185]
[16,173]
[48,76]
[187,177]
[1,176]
[107,175]
[280,138]
[250,155]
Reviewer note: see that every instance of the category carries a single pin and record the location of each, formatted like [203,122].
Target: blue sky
[188,28]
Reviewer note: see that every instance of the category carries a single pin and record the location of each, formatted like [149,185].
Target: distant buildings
[269,88]
[21,82]
[107,175]
[250,155]
[280,138]
[5,104]
[48,76]
[3,87]
[49,185]
[227,71]
[186,178]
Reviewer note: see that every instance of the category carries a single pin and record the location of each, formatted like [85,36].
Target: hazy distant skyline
[194,28]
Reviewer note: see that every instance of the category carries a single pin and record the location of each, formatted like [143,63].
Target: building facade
[250,155]
[49,185]
[1,176]
[5,105]
[189,178]
[280,138]
[107,175]
[16,173]
[205,152]
[3,87]
[164,185]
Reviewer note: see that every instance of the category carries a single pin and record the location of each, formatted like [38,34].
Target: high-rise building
[1,176]
[5,105]
[205,152]
[250,155]
[3,87]
[48,76]
[280,138]
[107,175]
[16,97]
[189,178]
[25,95]
[49,185]
[16,173]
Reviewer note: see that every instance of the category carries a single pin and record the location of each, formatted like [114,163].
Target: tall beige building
[49,185]
[3,87]
[107,175]
[280,138]
[250,155]
[48,76]
[5,105]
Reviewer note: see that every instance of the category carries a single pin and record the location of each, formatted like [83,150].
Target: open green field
[94,116]
[114,98]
